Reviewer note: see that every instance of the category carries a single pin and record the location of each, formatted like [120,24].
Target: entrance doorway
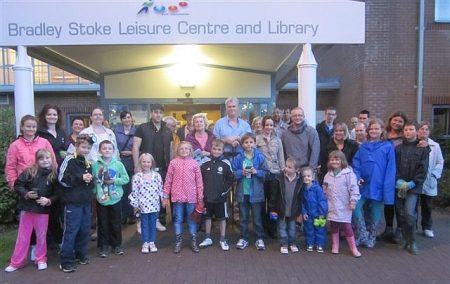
[212,111]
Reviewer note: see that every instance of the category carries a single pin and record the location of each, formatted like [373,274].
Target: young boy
[77,183]
[249,169]
[287,203]
[110,174]
[218,177]
[412,166]
[314,208]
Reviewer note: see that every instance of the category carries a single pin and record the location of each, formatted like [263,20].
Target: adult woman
[201,139]
[124,134]
[374,166]
[272,148]
[341,141]
[257,125]
[429,189]
[77,127]
[49,127]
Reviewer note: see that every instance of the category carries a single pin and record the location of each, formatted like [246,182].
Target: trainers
[206,243]
[152,247]
[428,233]
[83,261]
[42,265]
[284,250]
[33,253]
[224,245]
[145,248]
[104,252]
[241,244]
[294,248]
[260,245]
[118,250]
[67,269]
[10,268]
[319,249]
[309,248]
[160,227]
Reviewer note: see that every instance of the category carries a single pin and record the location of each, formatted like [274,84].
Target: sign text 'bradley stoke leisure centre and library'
[50,22]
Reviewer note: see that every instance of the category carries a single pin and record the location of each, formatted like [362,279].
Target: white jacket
[436,164]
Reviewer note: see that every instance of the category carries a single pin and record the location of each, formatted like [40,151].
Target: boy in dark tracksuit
[77,192]
[218,177]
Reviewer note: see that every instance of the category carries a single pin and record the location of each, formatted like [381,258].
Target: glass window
[139,112]
[441,119]
[442,11]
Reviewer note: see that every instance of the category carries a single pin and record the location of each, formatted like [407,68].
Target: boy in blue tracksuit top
[76,178]
[314,208]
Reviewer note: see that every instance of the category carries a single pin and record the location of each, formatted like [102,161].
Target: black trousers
[425,210]
[271,186]
[109,226]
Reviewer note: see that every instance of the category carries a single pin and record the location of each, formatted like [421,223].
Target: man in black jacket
[325,130]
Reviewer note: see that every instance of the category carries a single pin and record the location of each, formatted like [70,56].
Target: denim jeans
[406,209]
[287,231]
[180,211]
[148,226]
[244,215]
[376,208]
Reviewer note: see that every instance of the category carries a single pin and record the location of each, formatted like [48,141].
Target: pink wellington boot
[352,245]
[335,243]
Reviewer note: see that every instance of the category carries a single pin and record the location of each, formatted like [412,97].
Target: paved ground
[384,264]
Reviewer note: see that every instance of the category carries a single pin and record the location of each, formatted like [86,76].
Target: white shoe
[153,247]
[33,253]
[138,227]
[145,248]
[160,227]
[428,233]
[284,250]
[10,269]
[206,243]
[260,245]
[294,248]
[42,265]
[224,245]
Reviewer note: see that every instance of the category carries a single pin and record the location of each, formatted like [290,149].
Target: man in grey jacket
[301,141]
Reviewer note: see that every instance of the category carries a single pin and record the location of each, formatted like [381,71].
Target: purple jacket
[196,145]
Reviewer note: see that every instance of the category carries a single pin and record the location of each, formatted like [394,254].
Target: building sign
[81,22]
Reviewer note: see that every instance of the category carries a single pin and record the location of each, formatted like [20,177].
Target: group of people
[283,171]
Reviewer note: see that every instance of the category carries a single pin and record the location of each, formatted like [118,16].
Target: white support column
[307,68]
[23,85]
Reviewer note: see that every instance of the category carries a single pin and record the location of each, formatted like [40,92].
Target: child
[217,177]
[75,175]
[286,203]
[184,185]
[342,194]
[249,168]
[36,187]
[412,167]
[110,174]
[147,188]
[314,208]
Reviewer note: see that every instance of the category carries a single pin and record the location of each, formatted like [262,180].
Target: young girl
[145,199]
[184,185]
[36,187]
[342,194]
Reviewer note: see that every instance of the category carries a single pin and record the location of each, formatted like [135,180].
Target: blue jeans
[314,235]
[406,209]
[376,208]
[181,210]
[287,231]
[76,236]
[148,226]
[244,213]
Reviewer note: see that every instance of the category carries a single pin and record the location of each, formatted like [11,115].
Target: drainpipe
[421,30]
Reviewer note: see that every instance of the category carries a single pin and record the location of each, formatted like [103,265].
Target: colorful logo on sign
[163,9]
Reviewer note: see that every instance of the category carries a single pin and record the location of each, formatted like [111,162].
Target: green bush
[443,198]
[8,199]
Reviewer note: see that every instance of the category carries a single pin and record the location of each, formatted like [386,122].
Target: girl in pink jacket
[342,193]
[184,186]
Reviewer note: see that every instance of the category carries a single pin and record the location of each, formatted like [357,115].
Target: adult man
[363,117]
[287,116]
[182,132]
[325,131]
[278,124]
[154,137]
[230,128]
[360,133]
[301,141]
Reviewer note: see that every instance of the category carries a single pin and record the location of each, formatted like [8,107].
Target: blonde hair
[141,157]
[31,171]
[337,154]
[187,144]
[202,116]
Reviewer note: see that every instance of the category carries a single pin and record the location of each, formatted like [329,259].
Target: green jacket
[105,193]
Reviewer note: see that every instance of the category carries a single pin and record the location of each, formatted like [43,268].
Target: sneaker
[260,245]
[10,268]
[94,237]
[145,248]
[83,261]
[138,226]
[42,265]
[152,247]
[319,249]
[160,226]
[428,233]
[309,248]
[284,250]
[118,250]
[104,252]
[241,244]
[224,245]
[294,248]
[33,253]
[206,243]
[67,269]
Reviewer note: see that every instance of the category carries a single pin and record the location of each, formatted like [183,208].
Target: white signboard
[32,22]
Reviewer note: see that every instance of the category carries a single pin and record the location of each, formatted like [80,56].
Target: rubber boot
[361,234]
[194,246]
[411,232]
[388,235]
[352,245]
[398,236]
[405,241]
[372,237]
[335,243]
[178,243]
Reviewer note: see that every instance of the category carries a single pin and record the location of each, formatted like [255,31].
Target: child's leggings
[335,227]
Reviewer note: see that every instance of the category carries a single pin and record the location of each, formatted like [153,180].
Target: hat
[156,107]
